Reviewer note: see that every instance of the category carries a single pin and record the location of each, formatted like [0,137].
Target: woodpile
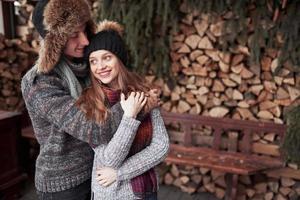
[16,57]
[255,187]
[209,80]
[224,83]
[24,28]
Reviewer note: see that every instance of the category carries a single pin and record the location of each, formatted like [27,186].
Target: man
[50,90]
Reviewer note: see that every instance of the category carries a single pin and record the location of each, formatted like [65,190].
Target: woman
[123,166]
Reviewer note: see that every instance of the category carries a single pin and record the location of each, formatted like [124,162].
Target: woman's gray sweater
[113,151]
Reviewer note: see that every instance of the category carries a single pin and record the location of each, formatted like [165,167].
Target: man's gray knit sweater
[65,159]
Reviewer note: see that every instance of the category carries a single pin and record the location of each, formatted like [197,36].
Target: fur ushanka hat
[56,21]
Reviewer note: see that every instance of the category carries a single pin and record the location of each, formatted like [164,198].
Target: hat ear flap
[50,51]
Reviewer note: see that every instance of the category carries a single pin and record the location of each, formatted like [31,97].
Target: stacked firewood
[24,28]
[220,82]
[16,57]
[192,179]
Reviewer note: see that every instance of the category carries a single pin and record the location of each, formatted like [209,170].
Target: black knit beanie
[109,40]
[38,17]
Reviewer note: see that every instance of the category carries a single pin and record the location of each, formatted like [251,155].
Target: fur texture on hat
[106,25]
[61,18]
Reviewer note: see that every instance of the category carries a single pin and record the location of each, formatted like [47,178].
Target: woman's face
[105,67]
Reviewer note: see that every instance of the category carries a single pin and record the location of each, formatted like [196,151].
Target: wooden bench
[239,157]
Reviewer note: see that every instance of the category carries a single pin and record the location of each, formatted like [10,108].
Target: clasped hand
[106,176]
[136,101]
[133,104]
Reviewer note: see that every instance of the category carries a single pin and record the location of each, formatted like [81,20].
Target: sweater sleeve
[48,98]
[152,155]
[113,153]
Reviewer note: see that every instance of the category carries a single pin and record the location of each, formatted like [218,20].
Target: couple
[77,109]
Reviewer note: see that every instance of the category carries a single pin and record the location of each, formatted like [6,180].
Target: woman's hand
[133,104]
[106,176]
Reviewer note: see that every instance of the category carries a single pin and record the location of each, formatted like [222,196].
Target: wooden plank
[224,123]
[27,132]
[256,147]
[284,172]
[230,162]
[6,114]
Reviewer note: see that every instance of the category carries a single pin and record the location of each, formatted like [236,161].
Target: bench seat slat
[229,162]
[27,132]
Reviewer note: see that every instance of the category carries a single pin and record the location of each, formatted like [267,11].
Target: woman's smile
[104,74]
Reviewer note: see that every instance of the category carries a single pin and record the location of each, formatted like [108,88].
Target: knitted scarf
[145,183]
[70,72]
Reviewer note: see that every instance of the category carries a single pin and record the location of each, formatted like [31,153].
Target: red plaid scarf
[146,182]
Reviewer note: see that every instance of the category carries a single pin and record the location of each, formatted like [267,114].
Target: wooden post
[231,189]
[8,19]
[187,141]
[246,142]
[217,138]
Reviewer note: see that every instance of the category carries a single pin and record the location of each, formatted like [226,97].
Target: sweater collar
[80,69]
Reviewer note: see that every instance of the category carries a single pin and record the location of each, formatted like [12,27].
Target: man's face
[76,43]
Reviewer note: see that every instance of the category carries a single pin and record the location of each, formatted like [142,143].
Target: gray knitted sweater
[65,159]
[113,151]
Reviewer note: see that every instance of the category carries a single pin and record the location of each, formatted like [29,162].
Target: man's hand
[106,176]
[153,100]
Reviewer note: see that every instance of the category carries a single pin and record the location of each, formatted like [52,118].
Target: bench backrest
[222,125]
